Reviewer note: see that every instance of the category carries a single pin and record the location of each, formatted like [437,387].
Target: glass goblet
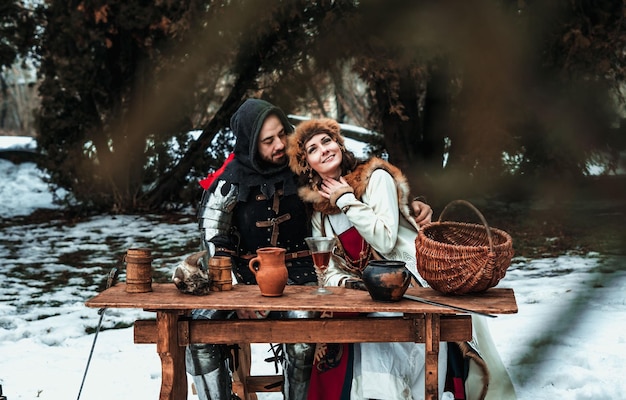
[321,248]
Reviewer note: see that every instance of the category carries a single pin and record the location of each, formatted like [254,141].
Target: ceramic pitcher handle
[251,264]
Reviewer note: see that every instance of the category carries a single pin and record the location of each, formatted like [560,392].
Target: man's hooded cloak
[248,169]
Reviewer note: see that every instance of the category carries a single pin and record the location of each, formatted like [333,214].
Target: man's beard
[279,159]
[274,162]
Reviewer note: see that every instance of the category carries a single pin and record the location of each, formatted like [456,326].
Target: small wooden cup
[220,274]
[138,270]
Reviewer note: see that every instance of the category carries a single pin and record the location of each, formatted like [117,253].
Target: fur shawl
[358,180]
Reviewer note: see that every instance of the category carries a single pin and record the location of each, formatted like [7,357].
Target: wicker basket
[460,258]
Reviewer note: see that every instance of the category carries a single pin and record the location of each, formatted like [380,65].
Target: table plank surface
[165,296]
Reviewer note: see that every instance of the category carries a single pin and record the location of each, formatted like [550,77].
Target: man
[254,203]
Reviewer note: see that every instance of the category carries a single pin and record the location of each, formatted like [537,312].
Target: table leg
[432,356]
[174,374]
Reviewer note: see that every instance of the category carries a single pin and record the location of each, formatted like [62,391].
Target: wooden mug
[138,270]
[220,275]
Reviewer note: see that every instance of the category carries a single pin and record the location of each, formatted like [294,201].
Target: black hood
[246,124]
[247,169]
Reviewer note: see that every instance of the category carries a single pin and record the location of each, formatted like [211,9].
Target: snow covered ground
[567,342]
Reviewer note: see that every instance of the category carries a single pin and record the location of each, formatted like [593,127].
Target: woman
[365,205]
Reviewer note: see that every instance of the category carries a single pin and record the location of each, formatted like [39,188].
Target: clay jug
[386,280]
[270,271]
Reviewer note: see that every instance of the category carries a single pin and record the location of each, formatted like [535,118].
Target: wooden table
[421,323]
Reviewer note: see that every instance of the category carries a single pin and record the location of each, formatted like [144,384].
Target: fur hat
[304,131]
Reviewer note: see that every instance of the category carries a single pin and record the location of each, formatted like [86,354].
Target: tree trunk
[400,122]
[173,182]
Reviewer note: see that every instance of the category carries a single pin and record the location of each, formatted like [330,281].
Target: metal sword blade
[434,303]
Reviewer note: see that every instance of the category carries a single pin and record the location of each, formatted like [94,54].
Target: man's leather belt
[298,254]
[288,256]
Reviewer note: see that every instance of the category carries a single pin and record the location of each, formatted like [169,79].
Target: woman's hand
[332,189]
[422,211]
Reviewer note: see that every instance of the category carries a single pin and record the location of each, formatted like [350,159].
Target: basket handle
[480,215]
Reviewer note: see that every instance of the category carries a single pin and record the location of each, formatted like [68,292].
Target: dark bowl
[386,280]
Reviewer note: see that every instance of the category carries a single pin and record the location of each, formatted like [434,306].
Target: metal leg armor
[208,365]
[298,362]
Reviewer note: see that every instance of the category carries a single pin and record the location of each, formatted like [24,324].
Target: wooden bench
[452,327]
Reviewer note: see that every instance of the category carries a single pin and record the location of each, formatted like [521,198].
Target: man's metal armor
[237,229]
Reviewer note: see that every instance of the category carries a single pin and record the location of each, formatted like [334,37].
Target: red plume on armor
[206,182]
